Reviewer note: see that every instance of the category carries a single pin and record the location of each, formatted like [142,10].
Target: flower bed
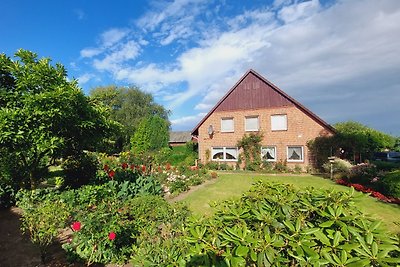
[370,191]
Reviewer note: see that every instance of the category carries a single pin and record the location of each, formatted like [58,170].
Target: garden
[90,180]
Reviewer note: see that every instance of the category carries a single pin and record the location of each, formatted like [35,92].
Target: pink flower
[111,236]
[76,226]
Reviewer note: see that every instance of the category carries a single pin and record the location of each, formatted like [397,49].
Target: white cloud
[91,52]
[112,36]
[85,78]
[318,54]
[298,11]
[182,122]
[122,53]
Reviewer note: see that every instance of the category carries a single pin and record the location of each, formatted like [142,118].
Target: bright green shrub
[43,222]
[276,225]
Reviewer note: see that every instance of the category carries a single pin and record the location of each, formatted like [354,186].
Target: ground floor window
[295,153]
[268,153]
[225,153]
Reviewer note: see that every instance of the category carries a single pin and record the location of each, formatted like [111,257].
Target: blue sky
[341,59]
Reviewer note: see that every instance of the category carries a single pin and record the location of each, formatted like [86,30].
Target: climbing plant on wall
[251,151]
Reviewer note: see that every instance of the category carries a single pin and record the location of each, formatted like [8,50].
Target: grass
[233,185]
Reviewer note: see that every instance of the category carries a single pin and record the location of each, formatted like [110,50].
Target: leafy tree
[251,145]
[128,106]
[43,116]
[353,141]
[151,135]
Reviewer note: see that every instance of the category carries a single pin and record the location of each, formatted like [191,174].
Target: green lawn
[233,185]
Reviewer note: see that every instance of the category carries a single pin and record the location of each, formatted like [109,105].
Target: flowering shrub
[341,168]
[363,173]
[370,191]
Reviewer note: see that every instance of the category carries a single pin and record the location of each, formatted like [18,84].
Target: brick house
[255,105]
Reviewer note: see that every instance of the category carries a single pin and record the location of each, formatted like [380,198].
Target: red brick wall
[301,128]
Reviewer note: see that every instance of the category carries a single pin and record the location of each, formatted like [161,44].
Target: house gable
[253,91]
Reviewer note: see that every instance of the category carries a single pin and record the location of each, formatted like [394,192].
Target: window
[227,125]
[268,153]
[279,122]
[295,153]
[225,153]
[251,123]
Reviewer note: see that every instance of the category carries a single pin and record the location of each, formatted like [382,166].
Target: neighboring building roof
[179,137]
[254,92]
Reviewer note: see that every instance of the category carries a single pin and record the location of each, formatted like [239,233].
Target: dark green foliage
[79,170]
[128,106]
[7,193]
[389,184]
[151,135]
[385,165]
[353,141]
[251,145]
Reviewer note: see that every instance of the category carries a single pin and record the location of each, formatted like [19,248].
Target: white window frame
[275,153]
[229,130]
[224,153]
[252,117]
[295,160]
[274,122]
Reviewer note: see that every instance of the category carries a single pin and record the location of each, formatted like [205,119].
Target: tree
[128,106]
[43,116]
[353,141]
[151,135]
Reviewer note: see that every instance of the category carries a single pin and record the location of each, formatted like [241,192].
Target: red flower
[111,236]
[124,165]
[106,168]
[168,166]
[143,168]
[76,226]
[132,167]
[111,174]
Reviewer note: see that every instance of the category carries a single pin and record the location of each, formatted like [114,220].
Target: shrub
[362,173]
[79,170]
[275,225]
[341,168]
[267,166]
[390,184]
[281,166]
[386,166]
[43,222]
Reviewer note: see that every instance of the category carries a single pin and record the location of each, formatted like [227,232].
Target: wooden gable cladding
[253,93]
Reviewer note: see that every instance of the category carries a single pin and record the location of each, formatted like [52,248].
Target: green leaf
[322,237]
[289,225]
[369,238]
[360,263]
[336,238]
[310,231]
[374,249]
[326,224]
[253,255]
[242,251]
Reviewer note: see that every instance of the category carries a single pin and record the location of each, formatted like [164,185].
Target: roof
[263,95]
[179,137]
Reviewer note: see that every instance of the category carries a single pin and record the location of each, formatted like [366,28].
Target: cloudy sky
[341,59]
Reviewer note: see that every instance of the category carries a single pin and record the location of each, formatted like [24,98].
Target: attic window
[279,122]
[227,125]
[251,123]
[295,154]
